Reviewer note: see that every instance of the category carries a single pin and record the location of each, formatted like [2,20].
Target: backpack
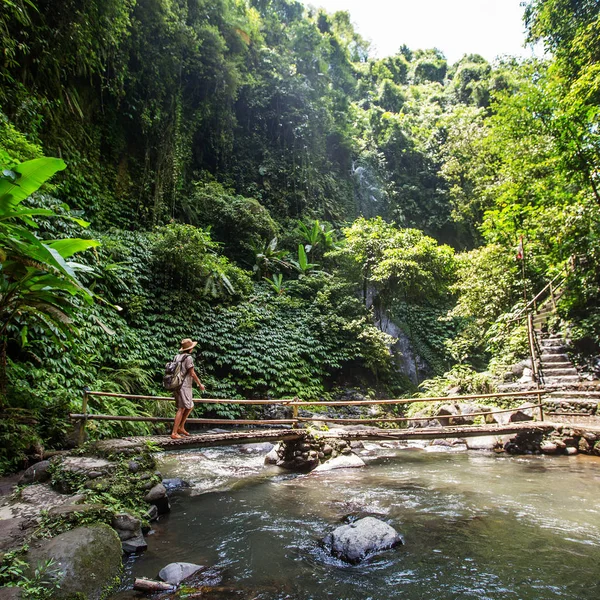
[174,374]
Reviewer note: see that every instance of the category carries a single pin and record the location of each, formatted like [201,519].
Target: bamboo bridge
[381,427]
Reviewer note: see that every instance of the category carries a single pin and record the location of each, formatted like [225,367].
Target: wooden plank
[204,440]
[366,433]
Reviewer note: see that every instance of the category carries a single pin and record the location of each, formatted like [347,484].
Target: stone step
[557,365]
[545,343]
[557,380]
[568,395]
[554,372]
[554,357]
[571,402]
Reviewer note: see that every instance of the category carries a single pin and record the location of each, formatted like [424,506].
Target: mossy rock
[87,561]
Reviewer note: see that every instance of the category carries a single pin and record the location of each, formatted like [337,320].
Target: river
[476,525]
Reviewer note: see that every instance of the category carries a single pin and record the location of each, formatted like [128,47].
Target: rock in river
[175,573]
[352,543]
[347,461]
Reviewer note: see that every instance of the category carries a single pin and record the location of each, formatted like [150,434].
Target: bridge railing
[296,404]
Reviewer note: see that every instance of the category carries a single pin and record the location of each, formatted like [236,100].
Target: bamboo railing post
[530,338]
[83,422]
[539,397]
[295,413]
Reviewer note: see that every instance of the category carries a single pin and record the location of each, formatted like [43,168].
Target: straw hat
[187,344]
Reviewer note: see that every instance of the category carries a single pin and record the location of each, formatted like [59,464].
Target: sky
[456,27]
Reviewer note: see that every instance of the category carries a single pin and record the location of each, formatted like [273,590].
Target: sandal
[183,432]
[175,436]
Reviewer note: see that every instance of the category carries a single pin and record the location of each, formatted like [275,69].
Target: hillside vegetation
[245,173]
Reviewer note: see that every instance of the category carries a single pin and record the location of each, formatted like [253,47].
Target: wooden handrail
[84,416]
[295,402]
[532,302]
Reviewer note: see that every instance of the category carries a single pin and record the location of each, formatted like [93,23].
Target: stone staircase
[555,366]
[568,396]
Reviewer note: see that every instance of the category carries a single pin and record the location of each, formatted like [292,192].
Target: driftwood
[148,585]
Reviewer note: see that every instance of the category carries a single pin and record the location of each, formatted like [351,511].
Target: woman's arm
[195,378]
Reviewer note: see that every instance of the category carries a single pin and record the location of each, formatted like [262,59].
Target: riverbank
[115,484]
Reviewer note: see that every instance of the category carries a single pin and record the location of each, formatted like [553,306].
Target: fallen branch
[148,585]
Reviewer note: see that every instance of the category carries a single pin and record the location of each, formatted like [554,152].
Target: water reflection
[476,525]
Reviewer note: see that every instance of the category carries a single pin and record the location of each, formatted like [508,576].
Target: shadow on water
[476,526]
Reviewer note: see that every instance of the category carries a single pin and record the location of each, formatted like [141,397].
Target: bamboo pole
[92,417]
[298,402]
[400,419]
[83,422]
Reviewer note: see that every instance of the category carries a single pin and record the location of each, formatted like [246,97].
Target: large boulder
[353,543]
[260,448]
[87,561]
[175,573]
[483,442]
[525,412]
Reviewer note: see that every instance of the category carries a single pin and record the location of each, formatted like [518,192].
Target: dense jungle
[246,174]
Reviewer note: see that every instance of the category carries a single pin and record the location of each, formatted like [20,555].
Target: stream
[476,525]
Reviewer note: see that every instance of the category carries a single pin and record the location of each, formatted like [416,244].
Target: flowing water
[476,525]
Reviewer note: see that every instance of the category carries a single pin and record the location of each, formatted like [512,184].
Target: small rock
[36,473]
[157,492]
[175,573]
[158,496]
[133,466]
[272,458]
[571,451]
[126,522]
[584,446]
[175,483]
[134,545]
[152,513]
[327,449]
[548,448]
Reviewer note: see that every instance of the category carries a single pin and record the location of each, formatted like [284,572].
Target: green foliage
[120,490]
[38,284]
[204,138]
[235,221]
[185,258]
[18,439]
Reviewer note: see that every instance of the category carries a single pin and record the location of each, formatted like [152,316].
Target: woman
[183,396]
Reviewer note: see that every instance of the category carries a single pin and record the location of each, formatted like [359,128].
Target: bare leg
[186,414]
[177,424]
